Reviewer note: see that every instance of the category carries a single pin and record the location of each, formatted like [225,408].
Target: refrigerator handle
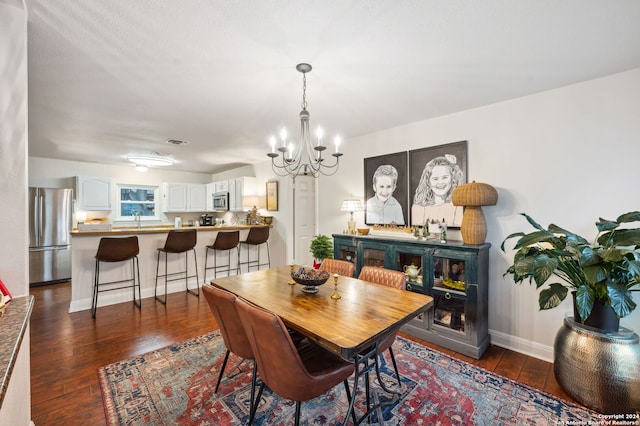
[40,221]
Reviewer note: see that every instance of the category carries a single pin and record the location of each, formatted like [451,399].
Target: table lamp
[249,201]
[473,196]
[352,205]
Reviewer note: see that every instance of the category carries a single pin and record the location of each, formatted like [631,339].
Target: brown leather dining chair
[223,306]
[390,278]
[340,267]
[296,373]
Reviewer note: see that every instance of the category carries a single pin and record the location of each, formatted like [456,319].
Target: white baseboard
[107,298]
[523,346]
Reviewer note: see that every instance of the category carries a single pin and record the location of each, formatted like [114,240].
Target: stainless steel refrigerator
[50,222]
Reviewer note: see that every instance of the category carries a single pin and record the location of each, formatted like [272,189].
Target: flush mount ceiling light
[150,161]
[141,168]
[302,158]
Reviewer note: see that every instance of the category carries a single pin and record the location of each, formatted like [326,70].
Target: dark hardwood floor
[67,350]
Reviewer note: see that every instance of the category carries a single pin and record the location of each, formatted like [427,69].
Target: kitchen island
[85,244]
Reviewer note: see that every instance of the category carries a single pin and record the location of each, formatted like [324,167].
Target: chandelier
[303,158]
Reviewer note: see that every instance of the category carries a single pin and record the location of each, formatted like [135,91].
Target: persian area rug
[174,386]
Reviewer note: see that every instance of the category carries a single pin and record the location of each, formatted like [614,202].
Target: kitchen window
[138,199]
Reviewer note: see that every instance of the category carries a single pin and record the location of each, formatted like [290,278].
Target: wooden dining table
[364,313]
[351,326]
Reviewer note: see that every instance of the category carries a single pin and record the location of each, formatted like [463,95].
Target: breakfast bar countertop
[13,326]
[132,230]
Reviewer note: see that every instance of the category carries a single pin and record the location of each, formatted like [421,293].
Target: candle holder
[291,280]
[335,295]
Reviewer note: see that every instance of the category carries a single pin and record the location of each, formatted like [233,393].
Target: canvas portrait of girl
[435,173]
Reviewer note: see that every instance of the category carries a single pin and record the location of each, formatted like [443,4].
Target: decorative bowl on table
[310,278]
[363,231]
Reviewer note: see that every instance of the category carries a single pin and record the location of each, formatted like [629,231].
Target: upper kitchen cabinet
[93,193]
[238,188]
[197,198]
[184,197]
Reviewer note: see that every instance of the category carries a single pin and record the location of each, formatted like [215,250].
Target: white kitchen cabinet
[210,190]
[238,188]
[222,186]
[184,197]
[93,193]
[196,199]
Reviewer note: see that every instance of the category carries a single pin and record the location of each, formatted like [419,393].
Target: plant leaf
[595,273]
[621,300]
[629,217]
[584,301]
[606,225]
[551,297]
[515,234]
[535,238]
[570,235]
[532,222]
[621,237]
[543,267]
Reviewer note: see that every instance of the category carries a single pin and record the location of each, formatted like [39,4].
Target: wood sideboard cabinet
[453,273]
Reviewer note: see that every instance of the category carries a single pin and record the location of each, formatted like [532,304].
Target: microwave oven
[221,201]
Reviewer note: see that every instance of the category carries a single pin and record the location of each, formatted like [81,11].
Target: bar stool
[225,241]
[181,241]
[257,236]
[116,249]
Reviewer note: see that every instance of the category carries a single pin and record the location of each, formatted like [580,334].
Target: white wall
[16,407]
[566,156]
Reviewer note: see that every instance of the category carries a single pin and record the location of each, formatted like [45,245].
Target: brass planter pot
[599,370]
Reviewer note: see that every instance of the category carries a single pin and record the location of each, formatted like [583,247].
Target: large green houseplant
[321,247]
[603,271]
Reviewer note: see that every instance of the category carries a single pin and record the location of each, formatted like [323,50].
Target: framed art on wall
[385,189]
[272,195]
[434,173]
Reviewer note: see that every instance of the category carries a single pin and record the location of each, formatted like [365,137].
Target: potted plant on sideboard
[601,276]
[321,248]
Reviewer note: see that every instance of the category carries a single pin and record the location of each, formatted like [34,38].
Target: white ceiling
[110,78]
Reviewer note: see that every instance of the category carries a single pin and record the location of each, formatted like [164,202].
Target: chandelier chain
[304,90]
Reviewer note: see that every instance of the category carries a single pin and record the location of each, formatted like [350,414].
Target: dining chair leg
[254,379]
[252,413]
[297,421]
[353,413]
[224,364]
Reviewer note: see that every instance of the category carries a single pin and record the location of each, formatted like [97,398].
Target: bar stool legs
[257,236]
[178,241]
[114,250]
[225,241]
[184,275]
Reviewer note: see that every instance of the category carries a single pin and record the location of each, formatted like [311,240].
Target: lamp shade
[474,195]
[249,201]
[352,205]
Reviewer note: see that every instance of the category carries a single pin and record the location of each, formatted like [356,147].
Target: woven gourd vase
[473,196]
